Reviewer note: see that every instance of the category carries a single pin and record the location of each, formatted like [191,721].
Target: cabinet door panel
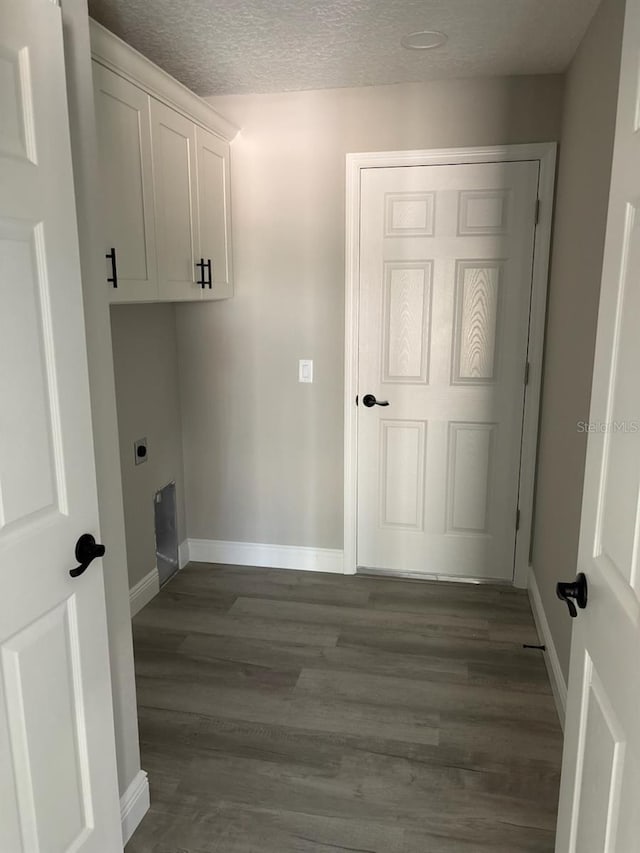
[214,212]
[124,134]
[174,166]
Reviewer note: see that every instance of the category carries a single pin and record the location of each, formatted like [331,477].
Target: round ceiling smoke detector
[423,40]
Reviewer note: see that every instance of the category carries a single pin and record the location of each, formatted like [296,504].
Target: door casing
[545,154]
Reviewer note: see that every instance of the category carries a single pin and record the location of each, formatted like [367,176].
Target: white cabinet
[124,138]
[176,193]
[165,181]
[214,215]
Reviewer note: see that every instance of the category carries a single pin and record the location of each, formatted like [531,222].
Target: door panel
[478,291]
[406,322]
[402,456]
[58,787]
[617,530]
[45,715]
[16,131]
[31,473]
[445,284]
[174,167]
[601,762]
[124,140]
[471,464]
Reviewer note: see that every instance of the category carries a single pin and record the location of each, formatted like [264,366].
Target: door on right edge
[600,791]
[445,287]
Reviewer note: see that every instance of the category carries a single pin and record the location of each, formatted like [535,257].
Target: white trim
[537,322]
[118,56]
[149,586]
[142,593]
[134,804]
[183,554]
[545,154]
[421,576]
[351,311]
[266,556]
[551,659]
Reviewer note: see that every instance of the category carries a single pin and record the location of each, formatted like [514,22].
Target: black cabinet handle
[87,549]
[111,256]
[369,400]
[201,263]
[210,281]
[577,591]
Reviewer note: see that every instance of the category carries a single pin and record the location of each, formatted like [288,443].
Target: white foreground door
[600,791]
[58,789]
[445,285]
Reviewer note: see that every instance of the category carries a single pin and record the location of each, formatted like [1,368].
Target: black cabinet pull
[111,256]
[210,282]
[577,591]
[201,263]
[87,549]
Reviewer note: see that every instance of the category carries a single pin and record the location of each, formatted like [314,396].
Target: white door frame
[545,154]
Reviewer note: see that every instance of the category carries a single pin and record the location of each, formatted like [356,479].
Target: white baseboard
[183,554]
[149,586]
[134,804]
[267,556]
[556,677]
[144,591]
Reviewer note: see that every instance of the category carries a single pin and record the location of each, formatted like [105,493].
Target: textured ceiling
[239,46]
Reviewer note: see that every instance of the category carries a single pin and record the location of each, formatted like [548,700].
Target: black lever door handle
[577,591]
[369,400]
[87,549]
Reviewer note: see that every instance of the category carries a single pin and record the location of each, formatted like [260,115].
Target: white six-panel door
[600,792]
[58,789]
[446,257]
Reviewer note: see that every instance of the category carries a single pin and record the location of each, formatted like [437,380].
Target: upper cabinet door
[124,133]
[174,170]
[214,221]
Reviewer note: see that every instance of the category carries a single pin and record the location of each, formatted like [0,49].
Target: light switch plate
[305,370]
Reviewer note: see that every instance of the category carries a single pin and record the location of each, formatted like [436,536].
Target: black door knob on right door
[574,591]
[87,550]
[369,400]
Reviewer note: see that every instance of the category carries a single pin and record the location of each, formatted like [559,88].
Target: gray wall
[264,454]
[146,373]
[580,219]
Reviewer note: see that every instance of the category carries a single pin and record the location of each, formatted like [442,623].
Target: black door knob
[87,549]
[576,591]
[369,400]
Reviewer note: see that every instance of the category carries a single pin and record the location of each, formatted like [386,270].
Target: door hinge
[518,519]
[537,211]
[526,373]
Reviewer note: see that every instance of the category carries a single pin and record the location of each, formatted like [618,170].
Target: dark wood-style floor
[291,712]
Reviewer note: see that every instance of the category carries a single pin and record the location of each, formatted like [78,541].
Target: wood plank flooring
[293,712]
